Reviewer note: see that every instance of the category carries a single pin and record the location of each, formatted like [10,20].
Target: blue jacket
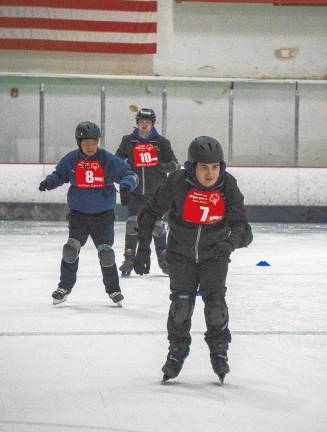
[93,199]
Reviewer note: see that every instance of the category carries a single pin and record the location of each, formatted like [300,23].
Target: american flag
[100,26]
[273,2]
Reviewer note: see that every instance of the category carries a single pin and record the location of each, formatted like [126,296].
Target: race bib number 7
[89,174]
[145,155]
[202,207]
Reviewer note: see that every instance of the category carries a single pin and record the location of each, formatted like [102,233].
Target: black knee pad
[216,311]
[131,225]
[159,229]
[71,250]
[181,307]
[106,255]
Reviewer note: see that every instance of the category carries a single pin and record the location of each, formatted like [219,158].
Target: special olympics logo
[214,198]
[149,147]
[94,166]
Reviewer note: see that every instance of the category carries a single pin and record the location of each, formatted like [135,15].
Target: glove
[225,249]
[142,261]
[170,166]
[124,195]
[247,236]
[46,184]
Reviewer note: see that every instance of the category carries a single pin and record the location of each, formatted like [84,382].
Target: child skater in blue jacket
[91,198]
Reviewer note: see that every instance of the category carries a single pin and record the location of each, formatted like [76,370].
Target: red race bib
[89,174]
[202,207]
[145,155]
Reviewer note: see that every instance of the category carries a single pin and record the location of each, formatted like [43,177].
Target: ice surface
[86,365]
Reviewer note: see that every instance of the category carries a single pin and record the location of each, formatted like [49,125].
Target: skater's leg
[78,234]
[160,243]
[217,336]
[102,234]
[135,205]
[126,266]
[183,285]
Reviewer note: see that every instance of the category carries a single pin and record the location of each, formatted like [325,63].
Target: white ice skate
[117,297]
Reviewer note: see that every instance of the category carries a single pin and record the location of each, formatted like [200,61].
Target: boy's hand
[124,195]
[142,261]
[225,249]
[46,184]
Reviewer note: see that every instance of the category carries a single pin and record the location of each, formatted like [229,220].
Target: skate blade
[221,378]
[56,301]
[119,304]
[165,378]
[125,274]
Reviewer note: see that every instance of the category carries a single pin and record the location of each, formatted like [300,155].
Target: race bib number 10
[202,207]
[145,155]
[89,174]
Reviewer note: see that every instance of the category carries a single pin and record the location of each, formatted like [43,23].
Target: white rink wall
[260,186]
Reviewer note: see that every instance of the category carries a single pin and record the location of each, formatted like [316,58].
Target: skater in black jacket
[207,222]
[150,155]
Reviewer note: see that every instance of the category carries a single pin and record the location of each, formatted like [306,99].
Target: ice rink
[86,365]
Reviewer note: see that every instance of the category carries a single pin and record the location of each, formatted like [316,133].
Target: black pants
[135,205]
[101,229]
[209,277]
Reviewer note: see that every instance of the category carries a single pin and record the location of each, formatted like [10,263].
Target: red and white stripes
[102,26]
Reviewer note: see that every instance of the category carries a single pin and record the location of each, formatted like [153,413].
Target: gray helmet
[147,114]
[205,149]
[87,130]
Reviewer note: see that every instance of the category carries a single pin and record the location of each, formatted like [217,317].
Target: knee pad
[131,224]
[159,228]
[106,255]
[216,311]
[71,250]
[182,307]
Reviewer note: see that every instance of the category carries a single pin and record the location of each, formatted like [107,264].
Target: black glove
[247,236]
[142,261]
[170,166]
[124,195]
[46,184]
[225,248]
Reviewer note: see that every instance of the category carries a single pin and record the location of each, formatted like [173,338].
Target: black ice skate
[220,365]
[174,363]
[128,264]
[117,297]
[162,261]
[60,295]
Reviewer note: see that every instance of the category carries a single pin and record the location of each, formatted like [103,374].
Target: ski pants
[135,205]
[100,227]
[186,280]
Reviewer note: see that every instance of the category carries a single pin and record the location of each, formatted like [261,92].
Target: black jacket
[199,242]
[150,178]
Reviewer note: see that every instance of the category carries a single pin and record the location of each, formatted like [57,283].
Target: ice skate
[60,295]
[219,365]
[128,264]
[162,261]
[117,297]
[174,363]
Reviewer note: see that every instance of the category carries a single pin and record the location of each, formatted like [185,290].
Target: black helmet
[147,114]
[205,149]
[87,130]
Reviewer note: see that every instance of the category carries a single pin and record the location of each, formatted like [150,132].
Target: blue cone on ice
[263,264]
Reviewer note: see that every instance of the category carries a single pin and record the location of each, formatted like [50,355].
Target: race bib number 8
[202,207]
[145,155]
[89,174]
